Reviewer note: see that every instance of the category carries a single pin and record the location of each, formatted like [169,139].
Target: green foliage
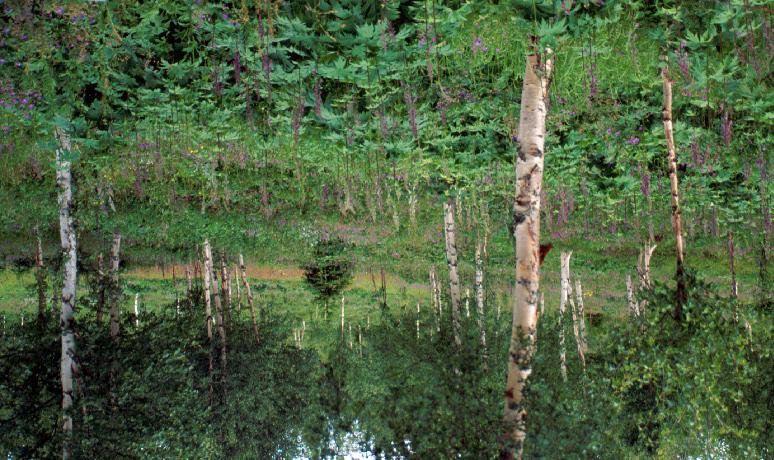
[330,269]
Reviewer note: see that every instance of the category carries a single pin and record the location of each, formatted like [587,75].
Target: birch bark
[451,259]
[67,316]
[526,232]
[115,287]
[681,293]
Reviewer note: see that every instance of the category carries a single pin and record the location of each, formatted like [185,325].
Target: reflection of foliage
[330,269]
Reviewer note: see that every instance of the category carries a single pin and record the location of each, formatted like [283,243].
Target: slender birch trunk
[69,367]
[220,320]
[115,287]
[225,287]
[451,259]
[582,315]
[734,285]
[480,297]
[526,232]
[576,327]
[40,281]
[239,291]
[634,309]
[643,265]
[250,305]
[136,309]
[207,275]
[681,293]
[417,321]
[564,289]
[102,281]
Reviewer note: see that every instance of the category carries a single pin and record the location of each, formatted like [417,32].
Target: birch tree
[451,259]
[40,280]
[250,304]
[681,294]
[526,232]
[115,287]
[69,252]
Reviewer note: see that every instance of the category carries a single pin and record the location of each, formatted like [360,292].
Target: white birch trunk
[480,297]
[682,294]
[564,290]
[207,275]
[634,309]
[582,315]
[249,292]
[734,285]
[451,259]
[526,232]
[67,317]
[115,287]
[40,280]
[220,321]
[136,309]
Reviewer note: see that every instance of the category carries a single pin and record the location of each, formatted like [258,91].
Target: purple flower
[19,65]
[633,140]
[478,46]
[225,17]
[2,61]
[609,131]
[59,10]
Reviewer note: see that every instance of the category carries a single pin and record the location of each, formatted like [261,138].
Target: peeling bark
[69,367]
[526,232]
[115,287]
[634,309]
[451,260]
[564,291]
[681,292]
[581,315]
[207,275]
[480,298]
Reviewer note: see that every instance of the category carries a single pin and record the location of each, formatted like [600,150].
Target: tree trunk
[207,275]
[250,305]
[239,291]
[451,259]
[643,266]
[581,315]
[136,309]
[115,287]
[225,287]
[102,281]
[734,286]
[681,293]
[526,232]
[564,290]
[480,298]
[67,318]
[40,281]
[220,320]
[634,309]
